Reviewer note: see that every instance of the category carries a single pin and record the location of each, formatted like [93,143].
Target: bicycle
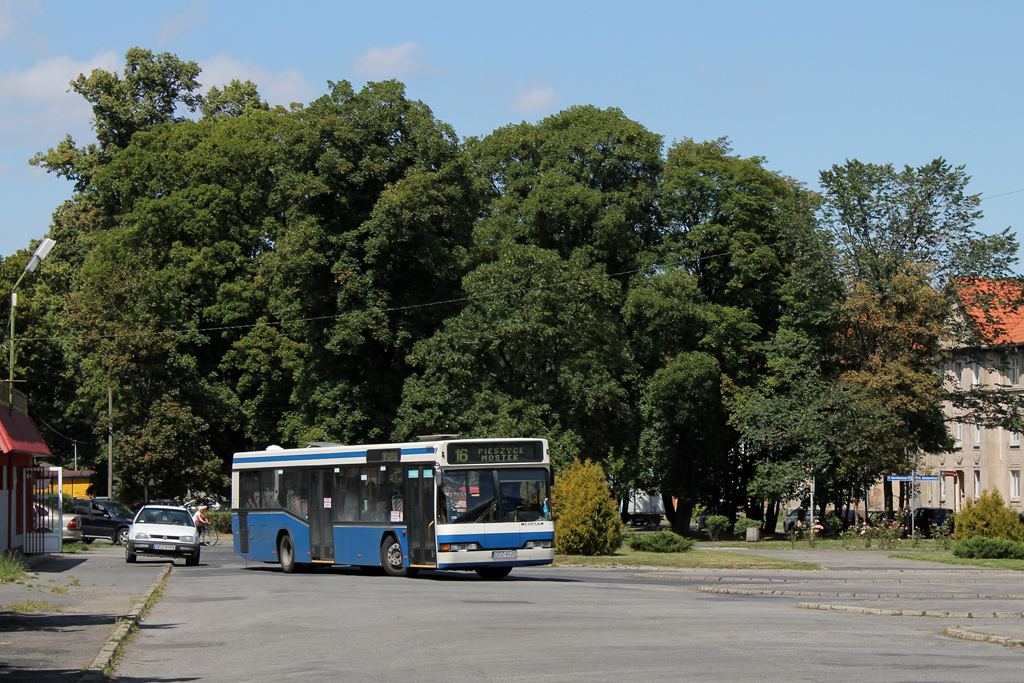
[209,536]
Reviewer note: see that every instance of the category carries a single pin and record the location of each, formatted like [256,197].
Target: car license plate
[163,546]
[504,554]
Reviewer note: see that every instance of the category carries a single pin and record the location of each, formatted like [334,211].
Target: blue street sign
[898,477]
[927,477]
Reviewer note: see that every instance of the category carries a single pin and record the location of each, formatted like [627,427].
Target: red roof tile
[995,308]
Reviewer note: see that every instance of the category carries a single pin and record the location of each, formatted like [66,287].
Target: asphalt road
[223,621]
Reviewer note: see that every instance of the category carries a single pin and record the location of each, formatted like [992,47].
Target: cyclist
[202,523]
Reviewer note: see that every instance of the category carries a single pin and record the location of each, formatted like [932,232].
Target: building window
[977,435]
[1015,484]
[959,433]
[1014,439]
[942,486]
[959,376]
[1013,377]
[977,483]
[975,375]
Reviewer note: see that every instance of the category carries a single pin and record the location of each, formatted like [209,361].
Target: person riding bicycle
[201,522]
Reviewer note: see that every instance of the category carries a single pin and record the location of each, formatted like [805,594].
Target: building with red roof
[21,480]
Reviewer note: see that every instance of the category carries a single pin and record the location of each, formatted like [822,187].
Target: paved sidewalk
[968,602]
[76,599]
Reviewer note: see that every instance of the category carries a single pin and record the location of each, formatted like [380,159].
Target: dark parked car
[103,518]
[927,520]
[849,517]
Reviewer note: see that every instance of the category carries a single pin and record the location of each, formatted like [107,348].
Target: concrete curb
[910,612]
[126,626]
[964,634]
[831,594]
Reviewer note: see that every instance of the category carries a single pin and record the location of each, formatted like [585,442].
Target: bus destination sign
[495,453]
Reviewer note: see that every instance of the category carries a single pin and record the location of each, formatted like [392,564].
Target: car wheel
[286,554]
[192,560]
[129,556]
[86,540]
[493,573]
[391,557]
[120,537]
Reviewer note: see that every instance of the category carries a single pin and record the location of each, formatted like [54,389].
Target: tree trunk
[887,494]
[771,518]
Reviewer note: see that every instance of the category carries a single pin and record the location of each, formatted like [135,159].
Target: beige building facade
[985,458]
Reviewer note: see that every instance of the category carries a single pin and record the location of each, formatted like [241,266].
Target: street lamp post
[41,251]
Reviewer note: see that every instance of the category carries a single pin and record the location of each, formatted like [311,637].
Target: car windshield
[163,516]
[120,509]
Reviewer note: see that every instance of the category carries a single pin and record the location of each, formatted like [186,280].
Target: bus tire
[391,557]
[286,554]
[493,573]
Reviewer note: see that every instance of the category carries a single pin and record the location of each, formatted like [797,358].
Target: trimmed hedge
[739,529]
[715,525]
[660,542]
[989,548]
[220,520]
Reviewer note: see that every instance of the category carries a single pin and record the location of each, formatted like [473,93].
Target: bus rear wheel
[493,573]
[286,555]
[391,557]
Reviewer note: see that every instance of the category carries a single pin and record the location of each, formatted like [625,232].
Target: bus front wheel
[286,554]
[391,557]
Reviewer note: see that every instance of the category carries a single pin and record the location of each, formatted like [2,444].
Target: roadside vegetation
[11,567]
[691,559]
[947,557]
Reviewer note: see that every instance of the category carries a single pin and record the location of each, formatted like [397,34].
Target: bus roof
[326,454]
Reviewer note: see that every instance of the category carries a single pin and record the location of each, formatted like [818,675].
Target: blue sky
[803,84]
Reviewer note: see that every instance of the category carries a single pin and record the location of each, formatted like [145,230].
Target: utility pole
[110,443]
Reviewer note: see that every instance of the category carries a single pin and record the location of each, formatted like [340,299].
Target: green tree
[715,294]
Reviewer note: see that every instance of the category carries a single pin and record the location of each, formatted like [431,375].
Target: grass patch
[33,606]
[947,557]
[693,559]
[11,567]
[75,547]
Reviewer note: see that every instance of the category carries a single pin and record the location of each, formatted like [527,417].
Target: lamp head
[41,251]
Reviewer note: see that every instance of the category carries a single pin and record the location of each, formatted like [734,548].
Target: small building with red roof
[21,479]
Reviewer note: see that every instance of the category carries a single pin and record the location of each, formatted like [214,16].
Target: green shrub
[661,542]
[996,548]
[715,525]
[988,517]
[586,518]
[11,567]
[739,529]
[220,520]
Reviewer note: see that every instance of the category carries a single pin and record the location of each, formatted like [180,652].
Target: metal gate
[44,532]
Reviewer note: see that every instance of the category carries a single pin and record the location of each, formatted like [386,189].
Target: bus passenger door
[419,510]
[321,525]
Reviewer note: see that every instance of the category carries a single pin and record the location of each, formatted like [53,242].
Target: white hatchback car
[163,530]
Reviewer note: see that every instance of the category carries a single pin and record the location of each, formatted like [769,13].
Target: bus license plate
[163,546]
[504,554]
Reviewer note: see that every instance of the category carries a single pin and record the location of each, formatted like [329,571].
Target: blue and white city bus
[439,503]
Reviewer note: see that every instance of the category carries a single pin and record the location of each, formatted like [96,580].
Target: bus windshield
[494,495]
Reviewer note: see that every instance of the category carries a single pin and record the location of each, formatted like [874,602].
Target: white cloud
[35,105]
[15,26]
[173,26]
[283,87]
[537,97]
[400,61]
